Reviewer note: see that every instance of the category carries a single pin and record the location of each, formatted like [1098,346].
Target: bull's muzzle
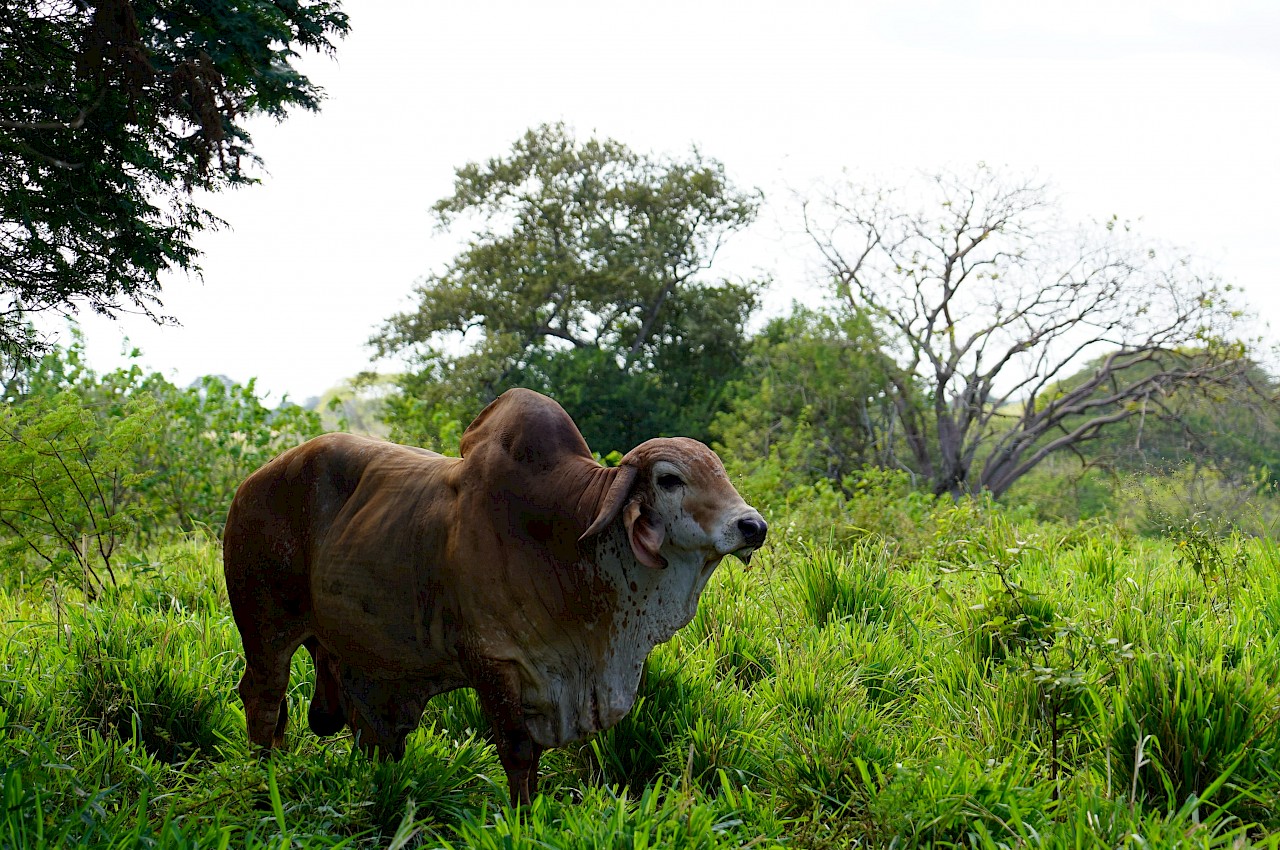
[753,529]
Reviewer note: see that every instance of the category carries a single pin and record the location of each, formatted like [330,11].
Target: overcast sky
[1168,112]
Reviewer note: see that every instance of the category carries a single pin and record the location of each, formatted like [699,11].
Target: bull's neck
[570,696]
[652,603]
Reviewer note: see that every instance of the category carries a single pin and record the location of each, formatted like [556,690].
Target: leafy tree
[1205,428]
[354,405]
[582,279]
[816,399]
[1211,453]
[204,440]
[65,484]
[112,114]
[985,297]
[194,446]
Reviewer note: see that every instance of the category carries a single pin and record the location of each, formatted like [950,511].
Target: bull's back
[277,518]
[382,583]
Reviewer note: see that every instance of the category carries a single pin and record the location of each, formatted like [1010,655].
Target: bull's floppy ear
[607,511]
[646,536]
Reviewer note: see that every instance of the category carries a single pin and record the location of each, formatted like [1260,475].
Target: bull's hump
[525,427]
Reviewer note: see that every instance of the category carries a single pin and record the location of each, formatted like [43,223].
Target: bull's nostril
[753,530]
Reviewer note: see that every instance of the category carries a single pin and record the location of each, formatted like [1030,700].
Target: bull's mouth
[742,553]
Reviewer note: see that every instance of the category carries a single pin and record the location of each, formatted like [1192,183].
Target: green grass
[998,683]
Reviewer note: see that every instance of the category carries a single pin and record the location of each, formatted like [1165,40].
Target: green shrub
[721,745]
[886,681]
[1198,495]
[129,683]
[1099,556]
[743,657]
[66,484]
[887,504]
[1002,624]
[103,455]
[1219,558]
[440,779]
[740,634]
[1058,489]
[1180,725]
[826,763]
[654,817]
[958,800]
[205,440]
[855,583]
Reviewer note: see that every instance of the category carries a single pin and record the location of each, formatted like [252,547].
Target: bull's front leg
[498,686]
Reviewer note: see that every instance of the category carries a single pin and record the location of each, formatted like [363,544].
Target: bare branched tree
[1016,336]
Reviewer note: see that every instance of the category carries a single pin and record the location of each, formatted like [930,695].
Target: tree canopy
[815,395]
[984,296]
[1232,429]
[112,113]
[583,277]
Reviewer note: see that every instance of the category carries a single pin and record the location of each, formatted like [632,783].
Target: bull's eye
[667,481]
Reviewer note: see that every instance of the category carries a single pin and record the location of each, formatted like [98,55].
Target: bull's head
[676,503]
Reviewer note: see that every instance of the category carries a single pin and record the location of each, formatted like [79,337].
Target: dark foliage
[582,280]
[112,113]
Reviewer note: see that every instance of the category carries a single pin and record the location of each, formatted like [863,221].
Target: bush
[1059,489]
[816,402]
[205,440]
[1181,725]
[958,801]
[66,485]
[855,583]
[88,457]
[1203,496]
[130,685]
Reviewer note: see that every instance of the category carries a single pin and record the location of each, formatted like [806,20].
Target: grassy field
[970,678]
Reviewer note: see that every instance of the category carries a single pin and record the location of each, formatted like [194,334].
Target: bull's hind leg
[262,689]
[382,712]
[268,586]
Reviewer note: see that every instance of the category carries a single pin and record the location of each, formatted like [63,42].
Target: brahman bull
[523,569]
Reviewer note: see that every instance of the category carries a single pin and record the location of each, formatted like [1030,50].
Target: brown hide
[524,569]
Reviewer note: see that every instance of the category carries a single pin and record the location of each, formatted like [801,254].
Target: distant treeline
[973,343]
[970,334]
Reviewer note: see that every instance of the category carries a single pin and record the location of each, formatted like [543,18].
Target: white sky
[1168,112]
